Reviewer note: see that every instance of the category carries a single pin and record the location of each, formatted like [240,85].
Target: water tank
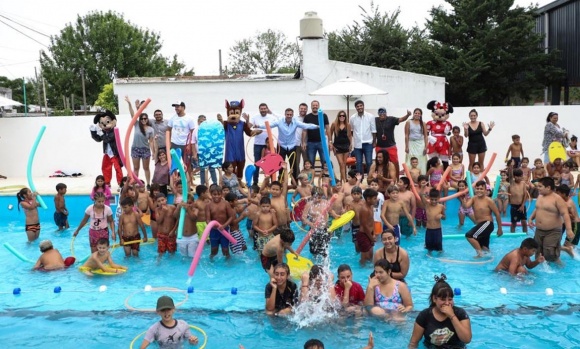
[311,26]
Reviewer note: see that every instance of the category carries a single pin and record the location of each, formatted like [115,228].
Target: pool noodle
[249,173]
[29,166]
[183,192]
[17,254]
[270,143]
[174,164]
[121,152]
[496,187]
[202,241]
[324,144]
[128,134]
[468,180]
[445,174]
[319,221]
[462,236]
[413,188]
[167,147]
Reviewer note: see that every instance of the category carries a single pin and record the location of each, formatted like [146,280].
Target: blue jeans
[212,173]
[257,156]
[311,149]
[367,152]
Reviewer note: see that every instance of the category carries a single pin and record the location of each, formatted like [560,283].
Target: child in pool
[189,241]
[27,199]
[435,173]
[457,171]
[61,213]
[101,259]
[309,171]
[101,187]
[129,224]
[502,200]
[169,332]
[463,212]
[101,217]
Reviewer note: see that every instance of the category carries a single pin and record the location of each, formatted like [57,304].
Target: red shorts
[95,235]
[166,243]
[363,241]
[392,151]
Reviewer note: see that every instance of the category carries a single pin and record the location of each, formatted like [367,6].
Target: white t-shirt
[260,121]
[98,221]
[378,207]
[168,337]
[181,126]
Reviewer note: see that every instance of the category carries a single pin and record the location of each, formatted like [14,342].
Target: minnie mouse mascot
[439,128]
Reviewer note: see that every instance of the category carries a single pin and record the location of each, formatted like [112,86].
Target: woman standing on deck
[475,131]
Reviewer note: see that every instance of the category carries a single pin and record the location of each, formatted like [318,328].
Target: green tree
[489,52]
[266,53]
[380,40]
[18,92]
[102,46]
[107,98]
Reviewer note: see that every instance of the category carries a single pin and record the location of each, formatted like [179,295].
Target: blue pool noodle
[469,185]
[325,146]
[16,253]
[249,174]
[496,187]
[177,160]
[29,166]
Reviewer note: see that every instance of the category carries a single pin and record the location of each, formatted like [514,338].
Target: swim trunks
[133,246]
[481,232]
[434,239]
[95,235]
[35,228]
[517,161]
[268,262]
[365,244]
[60,219]
[355,231]
[166,243]
[406,229]
[397,231]
[200,228]
[517,215]
[549,243]
[217,239]
[421,214]
[187,245]
[261,241]
[240,245]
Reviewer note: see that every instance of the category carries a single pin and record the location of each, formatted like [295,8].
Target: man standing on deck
[181,127]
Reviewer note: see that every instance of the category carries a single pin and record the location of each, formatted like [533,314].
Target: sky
[194,30]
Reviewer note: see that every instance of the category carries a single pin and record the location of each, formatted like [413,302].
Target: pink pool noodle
[204,236]
[128,134]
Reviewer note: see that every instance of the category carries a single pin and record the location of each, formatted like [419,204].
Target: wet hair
[518,172]
[231,197]
[225,165]
[313,344]
[405,181]
[317,191]
[315,272]
[441,289]
[370,193]
[265,201]
[352,173]
[563,189]
[215,188]
[287,235]
[103,241]
[283,266]
[422,178]
[514,137]
[344,267]
[480,184]
[60,186]
[383,263]
[547,182]
[392,188]
[159,195]
[200,189]
[388,231]
[530,244]
[127,202]
[275,183]
[434,193]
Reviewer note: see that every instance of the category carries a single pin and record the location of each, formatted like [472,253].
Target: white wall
[67,144]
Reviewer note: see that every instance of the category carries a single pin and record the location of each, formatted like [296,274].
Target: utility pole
[84,94]
[220,58]
[24,91]
[38,88]
[43,88]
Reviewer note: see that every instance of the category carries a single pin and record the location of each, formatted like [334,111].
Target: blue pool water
[81,314]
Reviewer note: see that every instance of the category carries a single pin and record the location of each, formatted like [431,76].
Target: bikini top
[388,303]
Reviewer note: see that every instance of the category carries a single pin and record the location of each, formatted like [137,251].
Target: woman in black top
[341,141]
[475,130]
[397,257]
[442,325]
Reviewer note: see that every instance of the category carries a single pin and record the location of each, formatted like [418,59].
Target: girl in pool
[101,187]
[462,185]
[315,283]
[387,297]
[101,217]
[442,325]
[27,199]
[309,171]
[435,173]
[230,180]
[397,256]
[457,171]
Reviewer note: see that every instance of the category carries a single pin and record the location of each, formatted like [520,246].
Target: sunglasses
[143,119]
[342,116]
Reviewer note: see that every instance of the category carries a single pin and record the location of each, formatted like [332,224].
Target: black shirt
[386,128]
[440,334]
[314,135]
[285,300]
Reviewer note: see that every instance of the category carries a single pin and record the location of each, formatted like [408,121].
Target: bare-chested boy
[366,236]
[202,200]
[142,199]
[435,213]
[415,171]
[518,195]
[253,208]
[316,217]
[273,252]
[406,195]
[51,259]
[61,213]
[538,171]
[303,189]
[393,208]
[550,208]
[189,241]
[337,208]
[564,192]
[240,213]
[101,260]
[353,180]
[279,199]
[483,207]
[517,151]
[420,212]
[355,203]
[516,261]
[166,226]
[265,223]
[221,211]
[129,224]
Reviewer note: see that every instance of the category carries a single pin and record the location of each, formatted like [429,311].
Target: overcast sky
[194,30]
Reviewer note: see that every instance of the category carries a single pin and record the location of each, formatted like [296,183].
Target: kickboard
[270,164]
[556,150]
[298,266]
[341,221]
[210,144]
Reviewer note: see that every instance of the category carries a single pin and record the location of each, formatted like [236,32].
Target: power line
[22,25]
[36,21]
[6,65]
[31,38]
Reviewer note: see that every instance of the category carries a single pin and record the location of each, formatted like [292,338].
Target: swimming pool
[80,313]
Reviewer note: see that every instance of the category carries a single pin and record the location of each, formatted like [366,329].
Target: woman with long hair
[475,131]
[416,140]
[341,141]
[383,170]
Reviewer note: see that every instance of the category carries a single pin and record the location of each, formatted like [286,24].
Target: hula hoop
[190,326]
[183,192]
[29,166]
[128,134]
[462,236]
[325,150]
[72,251]
[140,241]
[153,310]
[457,261]
[17,254]
[10,188]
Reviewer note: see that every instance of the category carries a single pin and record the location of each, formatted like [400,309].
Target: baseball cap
[382,110]
[179,103]
[164,303]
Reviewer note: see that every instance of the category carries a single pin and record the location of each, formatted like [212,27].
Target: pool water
[81,313]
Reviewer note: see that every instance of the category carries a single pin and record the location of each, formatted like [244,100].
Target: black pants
[284,152]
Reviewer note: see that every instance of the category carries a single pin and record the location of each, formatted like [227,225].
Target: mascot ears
[434,105]
[108,113]
[234,104]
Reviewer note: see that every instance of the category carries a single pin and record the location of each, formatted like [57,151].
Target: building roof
[207,78]
[553,5]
